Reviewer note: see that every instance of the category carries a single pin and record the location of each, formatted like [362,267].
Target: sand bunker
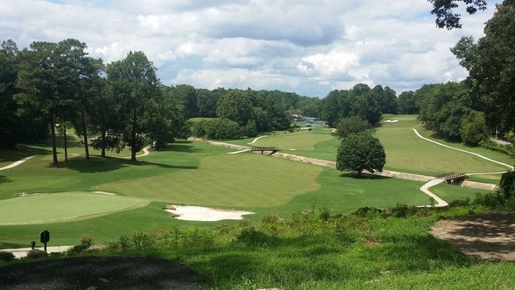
[391,121]
[205,214]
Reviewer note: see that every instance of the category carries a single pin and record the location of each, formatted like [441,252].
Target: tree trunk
[65,145]
[85,134]
[103,142]
[133,145]
[54,146]
[359,173]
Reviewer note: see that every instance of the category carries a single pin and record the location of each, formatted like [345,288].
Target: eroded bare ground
[488,236]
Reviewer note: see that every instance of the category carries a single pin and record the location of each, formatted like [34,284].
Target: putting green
[59,207]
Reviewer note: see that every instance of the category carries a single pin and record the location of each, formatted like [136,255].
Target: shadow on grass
[4,179]
[491,234]
[95,165]
[417,253]
[364,176]
[180,146]
[14,246]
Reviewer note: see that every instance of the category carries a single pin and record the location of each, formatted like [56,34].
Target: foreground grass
[322,251]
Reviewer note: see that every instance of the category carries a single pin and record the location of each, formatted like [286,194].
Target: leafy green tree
[442,108]
[386,98]
[236,106]
[491,65]
[407,104]
[135,87]
[360,152]
[8,118]
[251,129]
[44,81]
[366,103]
[166,121]
[473,128]
[352,125]
[188,96]
[447,18]
[333,108]
[206,103]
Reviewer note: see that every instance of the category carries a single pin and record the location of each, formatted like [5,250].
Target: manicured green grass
[408,153]
[241,180]
[303,141]
[61,207]
[449,192]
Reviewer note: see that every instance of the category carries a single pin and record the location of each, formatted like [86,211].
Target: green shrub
[36,254]
[142,240]
[252,237]
[270,218]
[244,222]
[324,214]
[77,249]
[460,202]
[6,256]
[86,240]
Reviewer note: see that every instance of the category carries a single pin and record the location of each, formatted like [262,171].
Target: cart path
[425,189]
[145,153]
[461,150]
[14,164]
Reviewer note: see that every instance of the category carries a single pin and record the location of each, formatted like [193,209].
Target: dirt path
[14,164]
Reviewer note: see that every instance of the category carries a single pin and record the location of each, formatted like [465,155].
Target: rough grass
[324,252]
[61,207]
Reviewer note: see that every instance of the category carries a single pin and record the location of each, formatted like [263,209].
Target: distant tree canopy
[361,100]
[447,18]
[352,125]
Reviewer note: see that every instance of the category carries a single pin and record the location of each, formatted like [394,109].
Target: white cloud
[305,46]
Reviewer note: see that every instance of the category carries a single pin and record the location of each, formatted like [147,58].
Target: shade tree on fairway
[358,152]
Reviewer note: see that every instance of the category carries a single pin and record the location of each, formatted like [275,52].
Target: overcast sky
[303,46]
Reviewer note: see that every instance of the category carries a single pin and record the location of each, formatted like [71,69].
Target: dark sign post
[45,237]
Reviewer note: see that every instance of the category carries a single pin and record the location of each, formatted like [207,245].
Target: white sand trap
[391,121]
[205,214]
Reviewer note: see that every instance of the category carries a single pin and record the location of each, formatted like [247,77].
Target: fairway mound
[487,236]
[101,273]
[205,214]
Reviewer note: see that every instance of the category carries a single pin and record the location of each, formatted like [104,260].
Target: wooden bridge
[263,149]
[451,177]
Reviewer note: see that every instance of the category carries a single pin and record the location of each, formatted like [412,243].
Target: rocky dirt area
[487,236]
